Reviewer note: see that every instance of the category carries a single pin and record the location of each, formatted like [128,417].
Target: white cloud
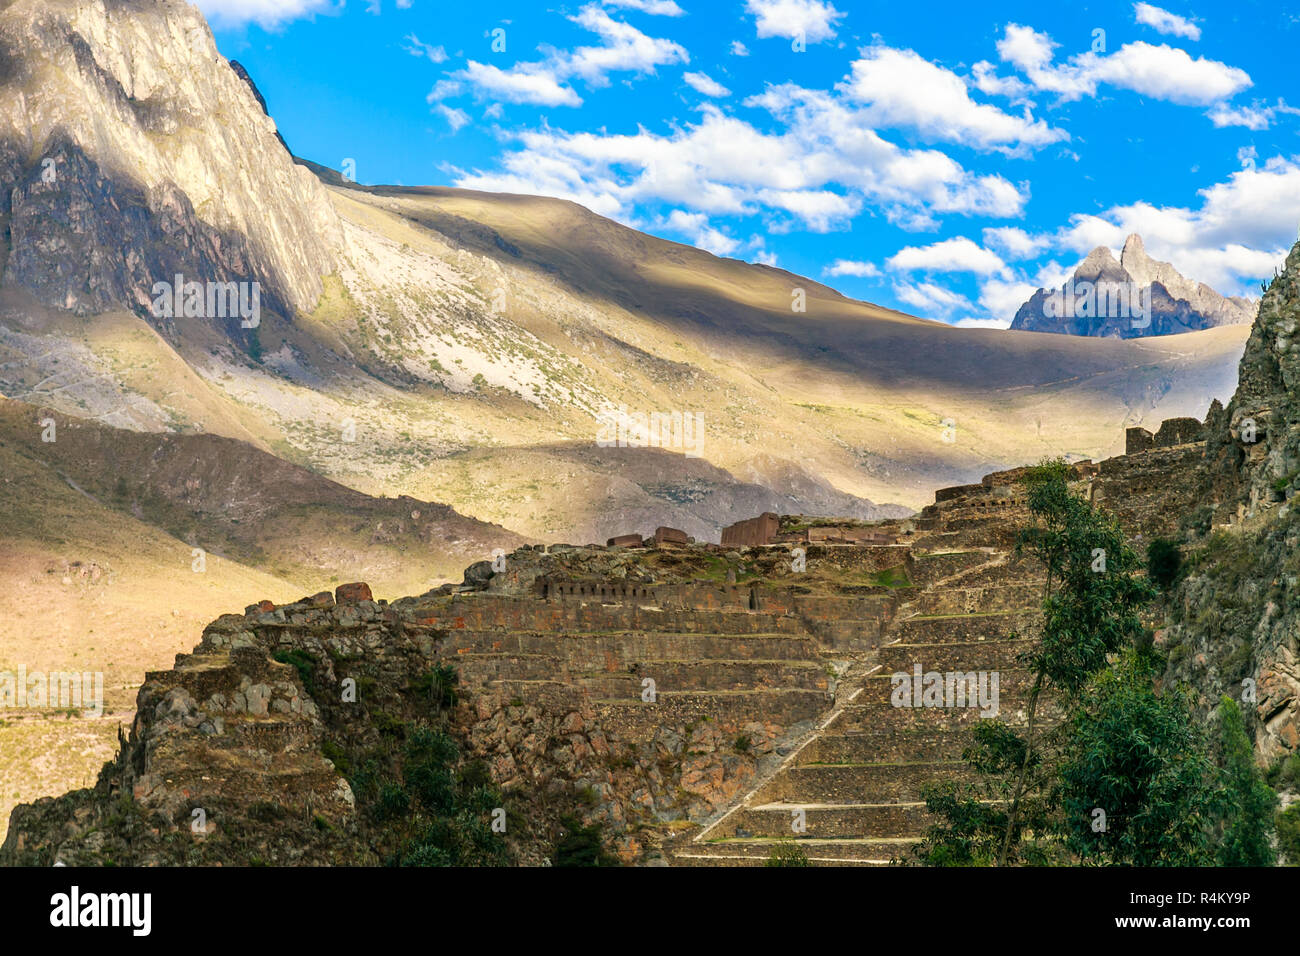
[626,49]
[659,8]
[1241,231]
[523,83]
[266,13]
[835,143]
[1002,298]
[901,89]
[849,267]
[702,83]
[414,47]
[1161,72]
[1257,116]
[931,300]
[982,323]
[821,169]
[739,49]
[1162,21]
[455,118]
[703,236]
[1015,243]
[951,255]
[985,79]
[812,20]
[543,83]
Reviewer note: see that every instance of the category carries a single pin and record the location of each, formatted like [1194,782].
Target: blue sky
[941,158]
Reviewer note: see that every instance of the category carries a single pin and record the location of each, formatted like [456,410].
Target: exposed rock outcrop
[1236,617]
[131,151]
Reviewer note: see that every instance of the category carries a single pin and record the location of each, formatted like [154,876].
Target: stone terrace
[855,783]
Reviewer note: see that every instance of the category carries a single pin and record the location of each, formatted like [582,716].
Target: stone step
[703,675]
[730,710]
[994,655]
[929,567]
[858,783]
[820,852]
[879,820]
[848,637]
[523,615]
[1014,683]
[616,651]
[965,599]
[882,715]
[960,628]
[708,676]
[886,746]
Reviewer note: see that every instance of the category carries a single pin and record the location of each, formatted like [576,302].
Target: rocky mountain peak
[122,124]
[1134,296]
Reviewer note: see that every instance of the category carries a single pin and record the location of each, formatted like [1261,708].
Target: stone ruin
[1172,432]
[700,713]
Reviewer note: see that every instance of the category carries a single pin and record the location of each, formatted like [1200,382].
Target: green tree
[1092,598]
[1164,562]
[1244,835]
[580,846]
[1138,787]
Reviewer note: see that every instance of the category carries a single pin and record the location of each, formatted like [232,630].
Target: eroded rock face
[1237,616]
[130,151]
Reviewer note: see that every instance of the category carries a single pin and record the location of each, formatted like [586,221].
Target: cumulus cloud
[265,13]
[703,236]
[1015,243]
[1241,231]
[1160,72]
[931,300]
[455,118]
[659,8]
[702,83]
[901,89]
[739,49]
[849,267]
[1162,21]
[818,171]
[811,20]
[544,82]
[1257,116]
[414,47]
[523,83]
[1002,298]
[982,323]
[951,255]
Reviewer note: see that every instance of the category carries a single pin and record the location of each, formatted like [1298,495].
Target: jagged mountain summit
[1134,297]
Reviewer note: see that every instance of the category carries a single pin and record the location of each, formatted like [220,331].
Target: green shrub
[580,846]
[1164,562]
[1288,834]
[787,853]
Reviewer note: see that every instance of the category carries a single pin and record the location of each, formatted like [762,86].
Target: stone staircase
[855,783]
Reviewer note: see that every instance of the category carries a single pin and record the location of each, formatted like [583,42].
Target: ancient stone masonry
[1173,431]
[702,698]
[752,532]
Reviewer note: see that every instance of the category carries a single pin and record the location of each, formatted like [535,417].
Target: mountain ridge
[1134,297]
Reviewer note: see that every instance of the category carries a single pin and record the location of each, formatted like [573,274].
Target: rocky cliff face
[1236,618]
[131,151]
[1136,296]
